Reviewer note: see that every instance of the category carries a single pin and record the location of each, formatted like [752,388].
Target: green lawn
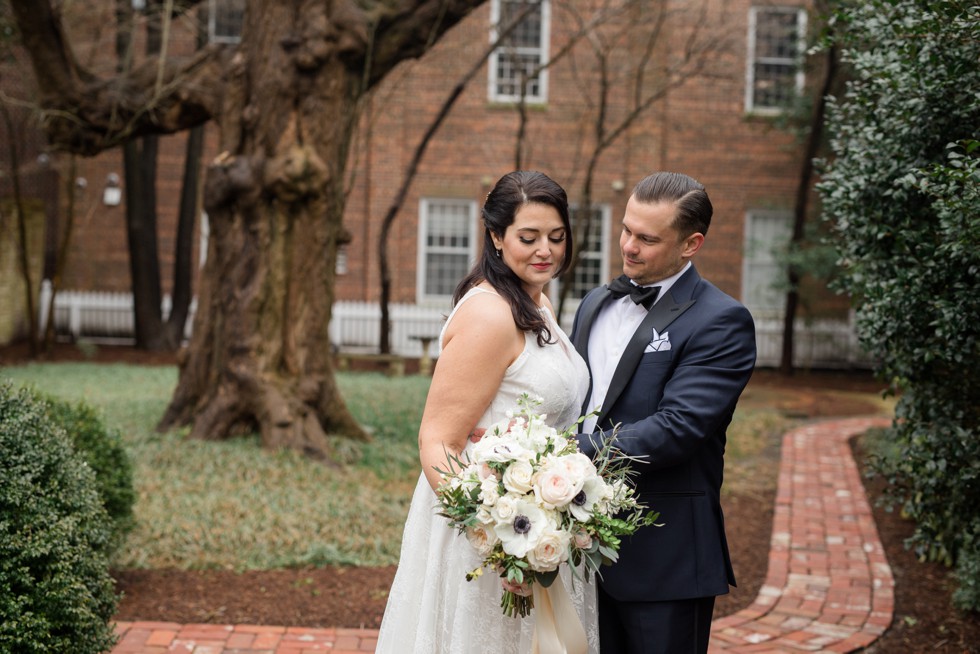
[230,504]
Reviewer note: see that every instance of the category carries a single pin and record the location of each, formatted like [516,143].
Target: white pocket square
[660,342]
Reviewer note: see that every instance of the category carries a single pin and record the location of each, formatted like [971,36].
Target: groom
[667,366]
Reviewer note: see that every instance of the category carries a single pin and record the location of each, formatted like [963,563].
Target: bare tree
[631,57]
[20,217]
[286,102]
[140,158]
[389,219]
[812,141]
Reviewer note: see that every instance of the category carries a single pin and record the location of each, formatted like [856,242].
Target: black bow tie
[645,295]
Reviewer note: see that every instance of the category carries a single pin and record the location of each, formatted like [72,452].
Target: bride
[501,340]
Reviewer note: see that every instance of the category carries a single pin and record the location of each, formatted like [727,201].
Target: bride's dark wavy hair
[511,192]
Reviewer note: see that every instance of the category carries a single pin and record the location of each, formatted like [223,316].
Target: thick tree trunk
[286,101]
[249,367]
[260,354]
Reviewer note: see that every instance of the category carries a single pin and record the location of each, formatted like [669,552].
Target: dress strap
[470,293]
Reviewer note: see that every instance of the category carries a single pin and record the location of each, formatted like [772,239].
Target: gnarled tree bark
[287,106]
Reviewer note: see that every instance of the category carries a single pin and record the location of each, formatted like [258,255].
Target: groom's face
[652,247]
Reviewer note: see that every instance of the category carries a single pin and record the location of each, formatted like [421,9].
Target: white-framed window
[520,54]
[447,246]
[593,263]
[774,71]
[767,237]
[593,253]
[225,20]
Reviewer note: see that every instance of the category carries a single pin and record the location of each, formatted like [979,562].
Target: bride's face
[533,246]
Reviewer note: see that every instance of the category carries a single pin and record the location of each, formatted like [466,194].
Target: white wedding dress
[432,609]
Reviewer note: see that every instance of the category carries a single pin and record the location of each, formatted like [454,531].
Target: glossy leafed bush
[902,192]
[102,449]
[56,594]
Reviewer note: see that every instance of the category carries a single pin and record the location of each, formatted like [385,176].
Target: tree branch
[86,115]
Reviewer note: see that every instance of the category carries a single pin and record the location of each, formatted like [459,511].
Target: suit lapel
[581,336]
[664,312]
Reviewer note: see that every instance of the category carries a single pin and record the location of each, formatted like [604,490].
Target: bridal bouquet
[528,501]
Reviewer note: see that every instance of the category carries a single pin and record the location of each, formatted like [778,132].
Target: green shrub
[102,449]
[56,594]
[902,191]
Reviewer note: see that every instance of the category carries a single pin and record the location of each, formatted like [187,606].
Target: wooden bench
[391,364]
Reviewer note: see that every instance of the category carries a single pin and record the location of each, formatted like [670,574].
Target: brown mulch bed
[924,621]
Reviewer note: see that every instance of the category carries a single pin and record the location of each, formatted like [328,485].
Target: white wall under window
[774,74]
[767,234]
[521,53]
[447,246]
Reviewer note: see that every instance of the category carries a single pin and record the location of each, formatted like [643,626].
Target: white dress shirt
[611,332]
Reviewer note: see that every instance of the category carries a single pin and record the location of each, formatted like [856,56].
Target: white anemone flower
[593,491]
[521,533]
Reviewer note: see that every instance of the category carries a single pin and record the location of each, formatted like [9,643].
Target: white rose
[579,465]
[483,516]
[521,533]
[517,477]
[554,486]
[550,551]
[504,509]
[482,538]
[489,491]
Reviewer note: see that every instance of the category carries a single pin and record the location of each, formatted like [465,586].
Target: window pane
[226,19]
[521,53]
[767,236]
[528,33]
[775,85]
[443,272]
[447,227]
[588,274]
[446,245]
[511,69]
[775,57]
[777,34]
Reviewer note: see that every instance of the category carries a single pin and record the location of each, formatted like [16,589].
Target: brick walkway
[829,587]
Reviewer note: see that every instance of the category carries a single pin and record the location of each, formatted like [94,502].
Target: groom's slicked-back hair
[693,206]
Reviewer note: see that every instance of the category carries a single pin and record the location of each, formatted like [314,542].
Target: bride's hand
[478,432]
[518,589]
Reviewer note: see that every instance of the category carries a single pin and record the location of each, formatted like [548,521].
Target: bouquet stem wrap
[557,629]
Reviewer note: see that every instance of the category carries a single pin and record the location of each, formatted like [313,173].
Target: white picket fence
[816,344]
[108,317]
[97,315]
[355,328]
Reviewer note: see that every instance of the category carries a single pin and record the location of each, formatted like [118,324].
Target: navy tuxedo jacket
[673,400]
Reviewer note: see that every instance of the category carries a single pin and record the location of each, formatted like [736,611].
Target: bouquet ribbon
[557,629]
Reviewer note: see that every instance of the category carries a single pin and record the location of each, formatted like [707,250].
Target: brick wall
[699,128]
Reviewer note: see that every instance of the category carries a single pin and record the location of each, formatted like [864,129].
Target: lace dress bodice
[432,609]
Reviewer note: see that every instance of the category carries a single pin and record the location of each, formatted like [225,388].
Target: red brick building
[713,116]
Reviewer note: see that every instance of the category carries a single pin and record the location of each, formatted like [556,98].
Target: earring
[498,254]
